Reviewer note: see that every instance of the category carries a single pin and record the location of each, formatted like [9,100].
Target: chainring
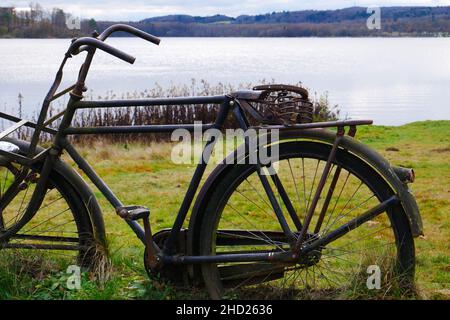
[177,275]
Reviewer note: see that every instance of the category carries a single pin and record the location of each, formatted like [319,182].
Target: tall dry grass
[176,114]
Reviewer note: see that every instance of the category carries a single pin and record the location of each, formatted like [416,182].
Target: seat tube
[243,123]
[198,174]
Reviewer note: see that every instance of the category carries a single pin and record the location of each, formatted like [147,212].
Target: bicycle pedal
[133,212]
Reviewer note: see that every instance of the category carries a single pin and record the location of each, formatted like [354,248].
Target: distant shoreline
[395,21]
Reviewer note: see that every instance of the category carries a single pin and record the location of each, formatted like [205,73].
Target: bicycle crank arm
[134,213]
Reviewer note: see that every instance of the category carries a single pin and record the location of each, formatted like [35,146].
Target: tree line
[37,22]
[342,29]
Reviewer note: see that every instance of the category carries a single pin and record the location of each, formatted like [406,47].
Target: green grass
[145,175]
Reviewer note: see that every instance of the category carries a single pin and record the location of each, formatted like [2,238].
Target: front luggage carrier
[19,123]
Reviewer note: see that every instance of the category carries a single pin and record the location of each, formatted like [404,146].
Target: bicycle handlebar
[85,43]
[93,42]
[131,30]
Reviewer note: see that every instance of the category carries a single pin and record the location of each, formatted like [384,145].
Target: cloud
[140,9]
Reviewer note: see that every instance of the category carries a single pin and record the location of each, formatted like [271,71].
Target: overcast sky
[141,9]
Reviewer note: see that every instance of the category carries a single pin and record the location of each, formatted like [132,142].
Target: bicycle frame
[228,103]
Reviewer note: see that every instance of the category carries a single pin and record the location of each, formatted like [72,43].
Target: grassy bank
[144,174]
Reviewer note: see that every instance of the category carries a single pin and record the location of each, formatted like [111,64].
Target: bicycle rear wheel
[240,219]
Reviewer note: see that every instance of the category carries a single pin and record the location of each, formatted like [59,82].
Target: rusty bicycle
[310,228]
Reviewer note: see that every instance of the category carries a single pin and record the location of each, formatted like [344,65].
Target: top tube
[149,102]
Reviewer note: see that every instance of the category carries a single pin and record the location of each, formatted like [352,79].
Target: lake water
[393,81]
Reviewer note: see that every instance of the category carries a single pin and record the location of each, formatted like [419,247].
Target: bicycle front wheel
[58,234]
[239,218]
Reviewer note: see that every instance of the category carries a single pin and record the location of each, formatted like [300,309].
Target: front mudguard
[368,155]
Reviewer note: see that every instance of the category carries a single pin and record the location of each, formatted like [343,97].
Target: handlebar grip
[92,42]
[129,29]
[147,36]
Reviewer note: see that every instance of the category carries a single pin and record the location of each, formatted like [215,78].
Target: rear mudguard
[80,186]
[371,157]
